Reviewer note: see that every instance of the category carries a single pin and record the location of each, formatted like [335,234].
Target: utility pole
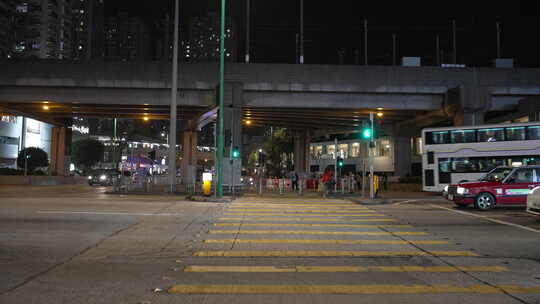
[248,24]
[454,44]
[394,52]
[370,151]
[173,115]
[365,42]
[301,31]
[498,40]
[221,139]
[437,50]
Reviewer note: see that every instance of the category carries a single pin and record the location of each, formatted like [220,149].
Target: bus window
[462,136]
[516,133]
[464,165]
[437,138]
[533,132]
[486,164]
[490,135]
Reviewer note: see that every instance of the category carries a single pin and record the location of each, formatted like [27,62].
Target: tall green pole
[221,140]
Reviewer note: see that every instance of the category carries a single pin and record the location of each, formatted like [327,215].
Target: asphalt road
[75,244]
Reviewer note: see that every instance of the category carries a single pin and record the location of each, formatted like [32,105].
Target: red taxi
[501,186]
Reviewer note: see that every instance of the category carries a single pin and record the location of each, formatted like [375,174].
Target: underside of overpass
[300,118]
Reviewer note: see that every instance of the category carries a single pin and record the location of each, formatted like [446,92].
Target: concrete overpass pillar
[469,104]
[301,151]
[188,164]
[60,157]
[402,155]
[233,118]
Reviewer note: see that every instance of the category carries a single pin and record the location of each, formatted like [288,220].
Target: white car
[533,201]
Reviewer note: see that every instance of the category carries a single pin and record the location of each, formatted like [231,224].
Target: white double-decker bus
[454,154]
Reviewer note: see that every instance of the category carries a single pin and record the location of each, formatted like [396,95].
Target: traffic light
[367,132]
[235,152]
[340,162]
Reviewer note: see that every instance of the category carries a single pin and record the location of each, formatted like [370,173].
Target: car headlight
[461,190]
[103,177]
[90,177]
[446,188]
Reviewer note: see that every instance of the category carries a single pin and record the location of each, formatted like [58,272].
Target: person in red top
[328,179]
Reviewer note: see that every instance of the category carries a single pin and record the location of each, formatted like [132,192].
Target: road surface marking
[323,242]
[197,268]
[301,211]
[292,219]
[109,213]
[351,289]
[310,225]
[299,206]
[326,253]
[297,214]
[311,232]
[489,219]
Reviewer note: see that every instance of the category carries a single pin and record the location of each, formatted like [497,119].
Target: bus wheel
[484,201]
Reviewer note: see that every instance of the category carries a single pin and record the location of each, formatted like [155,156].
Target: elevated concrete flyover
[304,97]
[263,85]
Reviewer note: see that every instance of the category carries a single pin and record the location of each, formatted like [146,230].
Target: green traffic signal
[366,133]
[236,152]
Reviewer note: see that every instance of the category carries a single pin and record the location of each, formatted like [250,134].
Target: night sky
[334,25]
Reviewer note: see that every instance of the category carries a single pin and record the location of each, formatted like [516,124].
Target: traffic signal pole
[335,164]
[370,151]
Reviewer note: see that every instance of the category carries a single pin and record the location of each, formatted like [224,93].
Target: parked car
[103,177]
[533,201]
[503,186]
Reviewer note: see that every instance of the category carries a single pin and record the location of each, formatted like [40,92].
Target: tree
[279,150]
[87,152]
[35,157]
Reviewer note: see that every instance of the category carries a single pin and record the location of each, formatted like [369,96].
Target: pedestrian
[327,180]
[294,180]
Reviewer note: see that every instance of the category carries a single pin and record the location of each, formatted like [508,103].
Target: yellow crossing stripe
[326,253]
[300,211]
[351,289]
[297,207]
[266,219]
[301,205]
[309,225]
[299,214]
[321,242]
[313,232]
[195,268]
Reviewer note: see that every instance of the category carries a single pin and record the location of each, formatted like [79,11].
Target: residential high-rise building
[43,29]
[7,14]
[127,38]
[204,35]
[88,29]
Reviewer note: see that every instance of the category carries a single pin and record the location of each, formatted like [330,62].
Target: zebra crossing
[332,247]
